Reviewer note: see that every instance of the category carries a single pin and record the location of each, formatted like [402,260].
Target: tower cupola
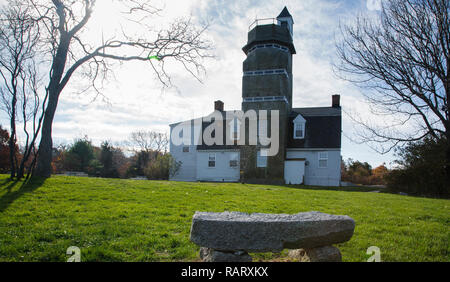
[285,19]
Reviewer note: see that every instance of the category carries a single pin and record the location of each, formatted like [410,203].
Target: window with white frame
[299,131]
[299,127]
[212,160]
[234,160]
[261,161]
[323,159]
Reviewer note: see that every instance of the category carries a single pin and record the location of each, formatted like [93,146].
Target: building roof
[284,14]
[269,33]
[224,114]
[322,111]
[323,128]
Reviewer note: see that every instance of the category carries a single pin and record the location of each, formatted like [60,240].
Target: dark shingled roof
[323,128]
[285,13]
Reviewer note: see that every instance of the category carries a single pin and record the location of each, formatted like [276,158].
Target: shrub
[107,159]
[162,167]
[421,169]
[95,168]
[79,156]
[378,176]
[362,173]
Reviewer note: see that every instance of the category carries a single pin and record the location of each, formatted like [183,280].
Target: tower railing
[263,22]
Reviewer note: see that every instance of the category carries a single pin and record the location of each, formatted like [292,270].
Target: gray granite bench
[230,236]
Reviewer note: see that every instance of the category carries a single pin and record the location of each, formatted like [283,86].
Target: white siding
[222,172]
[314,175]
[187,171]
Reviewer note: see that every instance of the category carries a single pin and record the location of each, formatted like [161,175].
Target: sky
[136,101]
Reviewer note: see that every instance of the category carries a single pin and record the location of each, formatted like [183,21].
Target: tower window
[268,98]
[276,46]
[267,72]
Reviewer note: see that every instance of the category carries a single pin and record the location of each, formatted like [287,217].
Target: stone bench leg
[321,254]
[210,255]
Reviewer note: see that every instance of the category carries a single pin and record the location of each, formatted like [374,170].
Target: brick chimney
[336,103]
[218,106]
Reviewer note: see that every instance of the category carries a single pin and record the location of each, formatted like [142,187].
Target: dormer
[285,19]
[299,127]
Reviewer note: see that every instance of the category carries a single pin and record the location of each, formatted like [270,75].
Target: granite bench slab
[235,231]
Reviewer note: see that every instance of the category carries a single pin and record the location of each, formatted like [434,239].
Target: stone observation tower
[267,85]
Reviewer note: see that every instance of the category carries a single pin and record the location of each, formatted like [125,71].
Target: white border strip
[275,46]
[266,99]
[267,72]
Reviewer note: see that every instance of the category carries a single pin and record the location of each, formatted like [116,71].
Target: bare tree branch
[402,62]
[19,40]
[63,27]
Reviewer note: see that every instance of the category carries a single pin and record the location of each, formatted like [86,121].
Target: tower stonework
[267,85]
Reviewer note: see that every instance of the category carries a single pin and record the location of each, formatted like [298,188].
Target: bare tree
[64,28]
[402,61]
[149,141]
[19,36]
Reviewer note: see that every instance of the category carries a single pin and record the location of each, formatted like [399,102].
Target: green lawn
[128,220]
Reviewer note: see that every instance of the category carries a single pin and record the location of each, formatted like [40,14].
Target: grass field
[129,220]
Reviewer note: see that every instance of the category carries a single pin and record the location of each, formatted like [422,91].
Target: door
[294,172]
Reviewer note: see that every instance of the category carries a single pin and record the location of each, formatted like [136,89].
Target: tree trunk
[447,166]
[12,152]
[27,154]
[44,158]
[45,152]
[447,126]
[12,138]
[20,172]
